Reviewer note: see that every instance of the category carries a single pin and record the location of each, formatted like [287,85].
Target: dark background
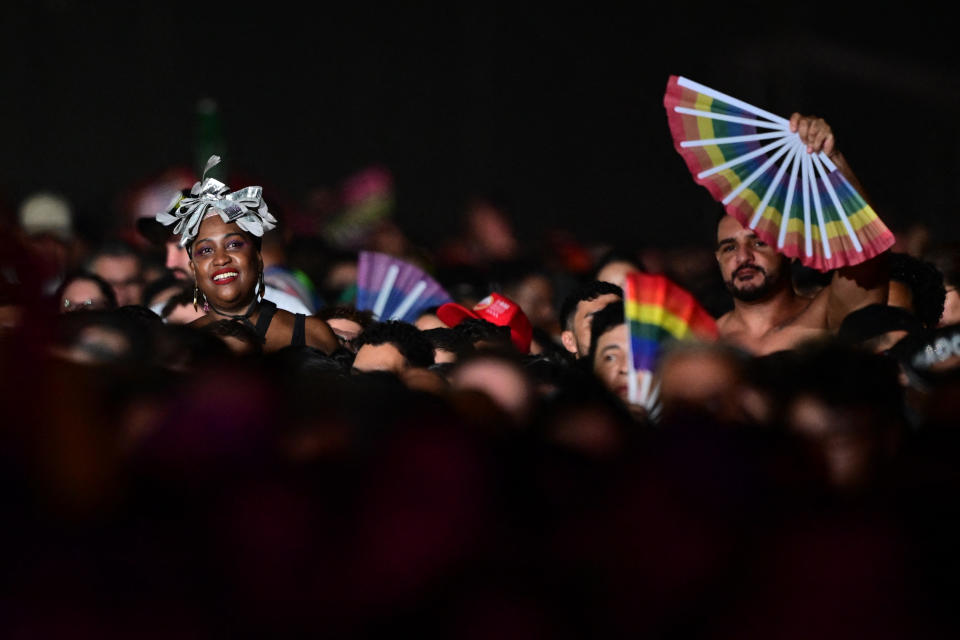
[557,110]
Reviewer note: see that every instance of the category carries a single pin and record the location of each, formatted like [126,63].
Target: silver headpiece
[245,207]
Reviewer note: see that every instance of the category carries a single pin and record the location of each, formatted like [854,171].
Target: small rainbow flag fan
[394,289]
[658,312]
[749,160]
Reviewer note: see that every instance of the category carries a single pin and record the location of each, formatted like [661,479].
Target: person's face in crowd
[226,264]
[534,294]
[178,261]
[82,294]
[577,341]
[345,330]
[616,272]
[380,357]
[951,307]
[123,274]
[751,268]
[612,361]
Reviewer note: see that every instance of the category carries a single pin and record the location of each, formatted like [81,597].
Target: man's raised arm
[859,285]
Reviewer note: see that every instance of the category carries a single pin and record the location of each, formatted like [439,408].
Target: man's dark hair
[405,337]
[113,249]
[448,340]
[842,376]
[161,284]
[618,254]
[874,320]
[184,297]
[232,329]
[102,285]
[925,283]
[589,291]
[143,315]
[610,317]
[475,330]
[364,318]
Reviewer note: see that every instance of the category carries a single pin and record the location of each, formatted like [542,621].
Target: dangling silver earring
[263,287]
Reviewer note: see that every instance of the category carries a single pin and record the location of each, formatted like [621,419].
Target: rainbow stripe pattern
[658,311]
[748,159]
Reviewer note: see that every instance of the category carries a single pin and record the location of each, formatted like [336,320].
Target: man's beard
[752,292]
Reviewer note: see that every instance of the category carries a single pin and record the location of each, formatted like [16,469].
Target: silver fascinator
[245,207]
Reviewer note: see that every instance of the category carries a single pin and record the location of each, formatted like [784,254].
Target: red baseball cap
[496,309]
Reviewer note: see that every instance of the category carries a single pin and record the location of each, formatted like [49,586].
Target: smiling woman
[221,232]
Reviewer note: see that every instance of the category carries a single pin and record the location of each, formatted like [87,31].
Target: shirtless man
[768,315]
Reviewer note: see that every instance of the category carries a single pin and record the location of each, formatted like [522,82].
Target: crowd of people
[204,436]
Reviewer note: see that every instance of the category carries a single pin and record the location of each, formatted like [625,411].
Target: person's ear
[569,341]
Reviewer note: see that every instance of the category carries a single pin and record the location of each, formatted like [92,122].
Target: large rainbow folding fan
[658,312]
[748,159]
[394,289]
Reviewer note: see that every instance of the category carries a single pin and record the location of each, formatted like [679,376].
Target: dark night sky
[559,110]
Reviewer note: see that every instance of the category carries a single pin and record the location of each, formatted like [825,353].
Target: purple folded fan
[394,289]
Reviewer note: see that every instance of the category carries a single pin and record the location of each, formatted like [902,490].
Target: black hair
[618,254]
[166,281]
[841,376]
[610,317]
[232,329]
[407,339]
[71,333]
[876,319]
[102,285]
[143,315]
[589,291]
[182,346]
[548,346]
[364,318]
[184,297]
[114,249]
[474,330]
[448,340]
[925,283]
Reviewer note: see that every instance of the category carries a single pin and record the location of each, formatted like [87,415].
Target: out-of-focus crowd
[164,477]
